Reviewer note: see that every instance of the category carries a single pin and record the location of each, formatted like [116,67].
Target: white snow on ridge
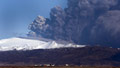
[29,44]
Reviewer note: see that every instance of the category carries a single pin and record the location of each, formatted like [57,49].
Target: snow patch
[30,44]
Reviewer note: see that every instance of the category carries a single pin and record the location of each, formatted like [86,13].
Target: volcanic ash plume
[82,22]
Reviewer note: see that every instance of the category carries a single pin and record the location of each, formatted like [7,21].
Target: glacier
[31,44]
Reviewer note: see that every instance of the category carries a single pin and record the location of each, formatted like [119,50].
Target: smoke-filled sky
[16,15]
[86,22]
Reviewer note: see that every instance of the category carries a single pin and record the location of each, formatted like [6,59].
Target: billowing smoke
[92,22]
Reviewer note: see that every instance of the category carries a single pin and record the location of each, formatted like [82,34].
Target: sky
[16,15]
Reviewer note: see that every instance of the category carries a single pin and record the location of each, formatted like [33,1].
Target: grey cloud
[89,22]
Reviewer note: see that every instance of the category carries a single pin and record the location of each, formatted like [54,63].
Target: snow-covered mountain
[30,44]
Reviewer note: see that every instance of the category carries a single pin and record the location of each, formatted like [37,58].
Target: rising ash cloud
[91,22]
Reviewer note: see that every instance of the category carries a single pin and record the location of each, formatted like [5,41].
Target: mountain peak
[30,44]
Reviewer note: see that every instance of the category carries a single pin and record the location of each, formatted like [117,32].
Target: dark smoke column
[38,27]
[81,23]
[107,29]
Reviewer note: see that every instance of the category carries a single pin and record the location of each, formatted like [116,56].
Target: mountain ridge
[30,44]
[89,55]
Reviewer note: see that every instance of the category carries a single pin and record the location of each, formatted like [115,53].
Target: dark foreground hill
[94,55]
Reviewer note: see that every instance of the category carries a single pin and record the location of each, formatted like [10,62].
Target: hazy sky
[16,15]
